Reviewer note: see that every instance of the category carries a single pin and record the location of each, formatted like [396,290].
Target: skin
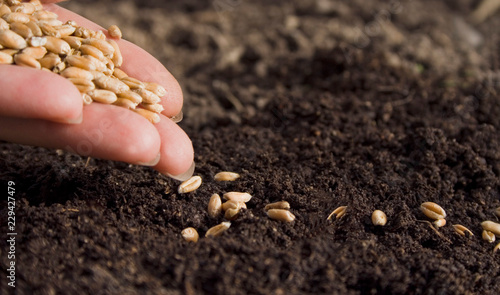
[44,109]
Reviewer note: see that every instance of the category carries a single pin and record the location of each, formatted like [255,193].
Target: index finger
[137,63]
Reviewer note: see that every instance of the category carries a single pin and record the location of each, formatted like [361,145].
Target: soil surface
[321,103]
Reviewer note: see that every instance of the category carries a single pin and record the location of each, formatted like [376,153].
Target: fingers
[30,93]
[106,132]
[136,62]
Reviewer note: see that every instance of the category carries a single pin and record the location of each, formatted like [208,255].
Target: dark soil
[319,103]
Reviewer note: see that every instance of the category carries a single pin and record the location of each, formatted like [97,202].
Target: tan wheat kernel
[440,222]
[226,176]
[461,230]
[115,32]
[277,205]
[492,227]
[214,206]
[339,212]
[190,234]
[281,215]
[218,229]
[190,185]
[238,197]
[379,218]
[433,210]
[488,236]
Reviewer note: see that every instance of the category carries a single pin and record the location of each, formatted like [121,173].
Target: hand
[44,109]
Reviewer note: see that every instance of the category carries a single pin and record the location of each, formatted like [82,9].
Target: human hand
[44,109]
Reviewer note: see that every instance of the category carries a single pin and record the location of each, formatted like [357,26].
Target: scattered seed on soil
[232,214]
[281,215]
[218,229]
[461,230]
[226,176]
[190,185]
[488,236]
[433,210]
[214,206]
[190,234]
[440,222]
[231,204]
[379,218]
[278,205]
[492,227]
[496,248]
[339,212]
[237,196]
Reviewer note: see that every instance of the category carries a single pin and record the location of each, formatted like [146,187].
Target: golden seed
[107,49]
[44,15]
[130,95]
[148,96]
[80,62]
[278,205]
[36,52]
[112,84]
[125,103]
[214,206]
[190,185]
[433,210]
[22,30]
[156,89]
[190,234]
[26,8]
[48,30]
[492,227]
[237,196]
[150,116]
[6,58]
[103,96]
[65,30]
[10,52]
[99,35]
[117,57]
[155,107]
[75,72]
[16,17]
[59,67]
[49,61]
[488,236]
[91,50]
[133,83]
[4,25]
[74,42]
[226,176]
[9,39]
[120,74]
[339,212]
[379,218]
[461,230]
[37,41]
[81,81]
[440,222]
[82,32]
[26,60]
[4,9]
[86,99]
[496,248]
[57,46]
[231,214]
[35,29]
[233,205]
[281,215]
[115,32]
[218,229]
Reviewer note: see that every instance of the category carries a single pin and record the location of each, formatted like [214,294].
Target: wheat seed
[37,41]
[148,115]
[231,214]
[379,218]
[118,73]
[433,210]
[277,205]
[492,227]
[460,229]
[26,8]
[218,229]
[115,32]
[190,234]
[214,206]
[26,60]
[16,17]
[488,236]
[117,58]
[10,39]
[281,215]
[22,30]
[156,88]
[132,96]
[231,204]
[103,96]
[125,103]
[111,84]
[226,176]
[440,222]
[147,96]
[190,185]
[57,46]
[3,24]
[339,212]
[5,58]
[238,196]
[107,49]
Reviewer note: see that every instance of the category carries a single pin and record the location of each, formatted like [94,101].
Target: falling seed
[488,236]
[379,218]
[218,229]
[281,215]
[190,234]
[461,230]
[238,197]
[433,210]
[190,185]
[226,176]
[339,212]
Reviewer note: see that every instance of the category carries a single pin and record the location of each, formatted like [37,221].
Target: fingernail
[151,163]
[184,176]
[177,118]
[76,120]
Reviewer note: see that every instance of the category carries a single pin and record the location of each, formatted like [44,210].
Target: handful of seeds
[33,37]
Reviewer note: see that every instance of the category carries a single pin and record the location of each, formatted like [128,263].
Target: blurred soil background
[366,104]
